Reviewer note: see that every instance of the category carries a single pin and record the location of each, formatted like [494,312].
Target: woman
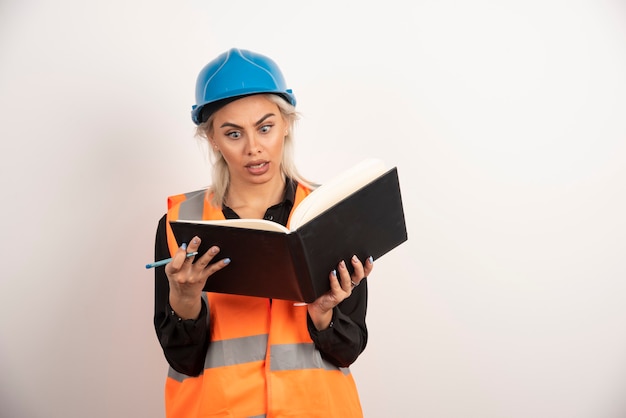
[240,356]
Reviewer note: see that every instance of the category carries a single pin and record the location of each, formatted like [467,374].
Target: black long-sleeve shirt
[185,342]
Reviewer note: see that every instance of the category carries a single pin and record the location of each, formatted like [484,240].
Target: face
[250,134]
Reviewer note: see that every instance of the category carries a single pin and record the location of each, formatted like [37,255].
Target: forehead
[247,109]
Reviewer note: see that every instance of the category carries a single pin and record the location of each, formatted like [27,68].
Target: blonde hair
[221,175]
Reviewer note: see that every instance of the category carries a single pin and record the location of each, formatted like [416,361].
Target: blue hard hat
[233,74]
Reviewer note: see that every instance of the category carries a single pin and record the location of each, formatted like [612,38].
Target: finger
[359,271]
[344,276]
[207,257]
[334,281]
[194,244]
[369,266]
[177,261]
[212,268]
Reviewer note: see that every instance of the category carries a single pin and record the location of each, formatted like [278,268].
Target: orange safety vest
[261,361]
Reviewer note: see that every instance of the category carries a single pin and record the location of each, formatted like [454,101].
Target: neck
[252,200]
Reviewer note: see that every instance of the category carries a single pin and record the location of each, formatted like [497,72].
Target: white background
[506,119]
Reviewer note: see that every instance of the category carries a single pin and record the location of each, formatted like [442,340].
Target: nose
[254,147]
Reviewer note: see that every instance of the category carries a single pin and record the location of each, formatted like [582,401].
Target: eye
[265,128]
[234,135]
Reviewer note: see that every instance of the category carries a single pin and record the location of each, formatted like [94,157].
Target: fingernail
[334,273]
[213,251]
[355,258]
[370,259]
[226,261]
[195,240]
[342,264]
[184,246]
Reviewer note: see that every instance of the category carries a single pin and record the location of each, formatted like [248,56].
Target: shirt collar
[288,198]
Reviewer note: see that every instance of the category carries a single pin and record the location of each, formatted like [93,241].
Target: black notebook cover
[296,266]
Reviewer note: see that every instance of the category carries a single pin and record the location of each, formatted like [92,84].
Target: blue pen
[167,260]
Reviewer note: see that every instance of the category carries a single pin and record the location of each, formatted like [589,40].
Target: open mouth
[256,166]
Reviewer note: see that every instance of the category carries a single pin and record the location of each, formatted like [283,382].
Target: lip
[258,167]
[256,163]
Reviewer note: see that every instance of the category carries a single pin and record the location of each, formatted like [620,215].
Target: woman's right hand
[187,279]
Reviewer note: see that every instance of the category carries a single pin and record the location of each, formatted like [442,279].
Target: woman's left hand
[341,285]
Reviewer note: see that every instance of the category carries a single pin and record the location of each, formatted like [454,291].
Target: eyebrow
[260,121]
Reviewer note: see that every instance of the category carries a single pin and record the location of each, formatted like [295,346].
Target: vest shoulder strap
[193,206]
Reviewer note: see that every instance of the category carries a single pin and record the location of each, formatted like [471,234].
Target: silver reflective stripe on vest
[236,351]
[249,349]
[299,357]
[191,208]
[283,356]
[205,298]
[173,374]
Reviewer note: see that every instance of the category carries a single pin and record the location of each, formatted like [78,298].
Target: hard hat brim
[200,114]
